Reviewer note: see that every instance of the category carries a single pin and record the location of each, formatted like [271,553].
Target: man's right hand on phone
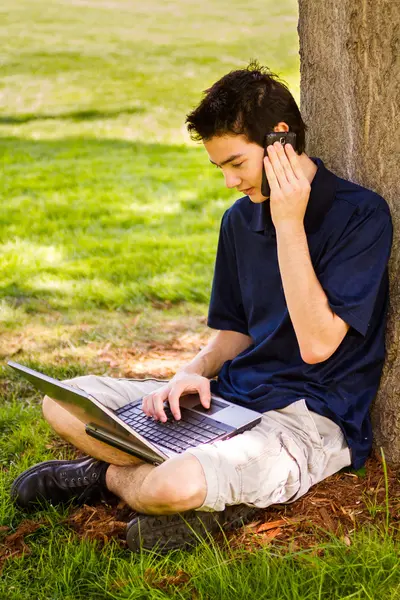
[180,385]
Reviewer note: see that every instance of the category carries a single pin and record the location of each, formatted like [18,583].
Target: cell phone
[284,137]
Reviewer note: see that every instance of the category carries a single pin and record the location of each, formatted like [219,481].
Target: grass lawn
[109,225]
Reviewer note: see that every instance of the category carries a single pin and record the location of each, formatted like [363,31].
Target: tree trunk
[350,101]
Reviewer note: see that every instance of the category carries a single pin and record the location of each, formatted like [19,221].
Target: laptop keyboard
[191,430]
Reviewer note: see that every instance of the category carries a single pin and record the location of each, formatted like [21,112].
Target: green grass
[108,232]
[116,223]
[106,202]
[61,567]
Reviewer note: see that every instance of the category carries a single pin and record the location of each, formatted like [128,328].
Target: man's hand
[180,385]
[290,188]
[195,377]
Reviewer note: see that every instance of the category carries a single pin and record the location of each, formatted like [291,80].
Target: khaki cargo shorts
[276,461]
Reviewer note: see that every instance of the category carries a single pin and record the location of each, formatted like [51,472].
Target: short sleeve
[226,308]
[352,272]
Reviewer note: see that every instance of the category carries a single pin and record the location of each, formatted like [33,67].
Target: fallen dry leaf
[271,525]
[25,528]
[4,528]
[164,581]
[13,545]
[268,537]
[347,540]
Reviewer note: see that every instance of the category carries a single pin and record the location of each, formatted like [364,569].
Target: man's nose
[231,180]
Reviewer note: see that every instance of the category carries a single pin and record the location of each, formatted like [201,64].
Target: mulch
[339,505]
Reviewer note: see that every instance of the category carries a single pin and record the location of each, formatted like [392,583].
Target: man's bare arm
[195,376]
[318,329]
[225,345]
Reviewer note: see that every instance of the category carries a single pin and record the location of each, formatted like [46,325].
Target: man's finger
[173,399]
[286,164]
[146,401]
[272,180]
[158,405]
[205,394]
[294,161]
[150,411]
[277,166]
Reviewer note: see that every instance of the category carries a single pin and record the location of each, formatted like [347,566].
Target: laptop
[131,431]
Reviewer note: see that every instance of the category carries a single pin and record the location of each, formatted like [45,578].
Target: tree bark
[350,101]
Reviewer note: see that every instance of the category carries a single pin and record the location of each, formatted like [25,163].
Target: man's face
[240,161]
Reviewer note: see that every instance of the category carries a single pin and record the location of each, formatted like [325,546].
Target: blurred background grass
[106,203]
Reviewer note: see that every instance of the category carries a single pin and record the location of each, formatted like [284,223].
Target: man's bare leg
[72,430]
[176,485]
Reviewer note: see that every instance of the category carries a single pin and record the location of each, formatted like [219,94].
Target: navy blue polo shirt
[349,234]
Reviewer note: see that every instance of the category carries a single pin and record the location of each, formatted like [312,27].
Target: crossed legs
[176,485]
[276,461]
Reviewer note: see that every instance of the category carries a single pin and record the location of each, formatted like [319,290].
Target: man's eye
[239,165]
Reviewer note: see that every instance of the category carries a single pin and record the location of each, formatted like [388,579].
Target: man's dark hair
[250,102]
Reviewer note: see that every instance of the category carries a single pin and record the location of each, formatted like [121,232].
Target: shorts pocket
[271,477]
[310,437]
[310,425]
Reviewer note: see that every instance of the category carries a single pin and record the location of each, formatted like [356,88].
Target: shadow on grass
[79,115]
[108,148]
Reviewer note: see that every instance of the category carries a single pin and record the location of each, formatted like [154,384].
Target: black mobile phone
[284,137]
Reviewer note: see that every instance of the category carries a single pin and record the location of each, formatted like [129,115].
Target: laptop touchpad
[214,408]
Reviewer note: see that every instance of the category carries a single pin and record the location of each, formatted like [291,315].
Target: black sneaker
[59,481]
[184,530]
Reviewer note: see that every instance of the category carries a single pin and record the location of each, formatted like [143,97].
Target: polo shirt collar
[322,194]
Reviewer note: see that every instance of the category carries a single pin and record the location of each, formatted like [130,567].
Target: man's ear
[281,126]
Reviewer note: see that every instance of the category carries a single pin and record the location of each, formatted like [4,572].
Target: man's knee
[178,484]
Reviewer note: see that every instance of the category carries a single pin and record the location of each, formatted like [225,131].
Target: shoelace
[89,483]
[92,487]
[78,481]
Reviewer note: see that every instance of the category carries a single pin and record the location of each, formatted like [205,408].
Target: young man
[299,302]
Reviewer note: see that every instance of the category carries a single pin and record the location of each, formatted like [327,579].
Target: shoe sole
[22,476]
[183,531]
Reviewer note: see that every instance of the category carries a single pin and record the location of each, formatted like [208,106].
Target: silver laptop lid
[87,409]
